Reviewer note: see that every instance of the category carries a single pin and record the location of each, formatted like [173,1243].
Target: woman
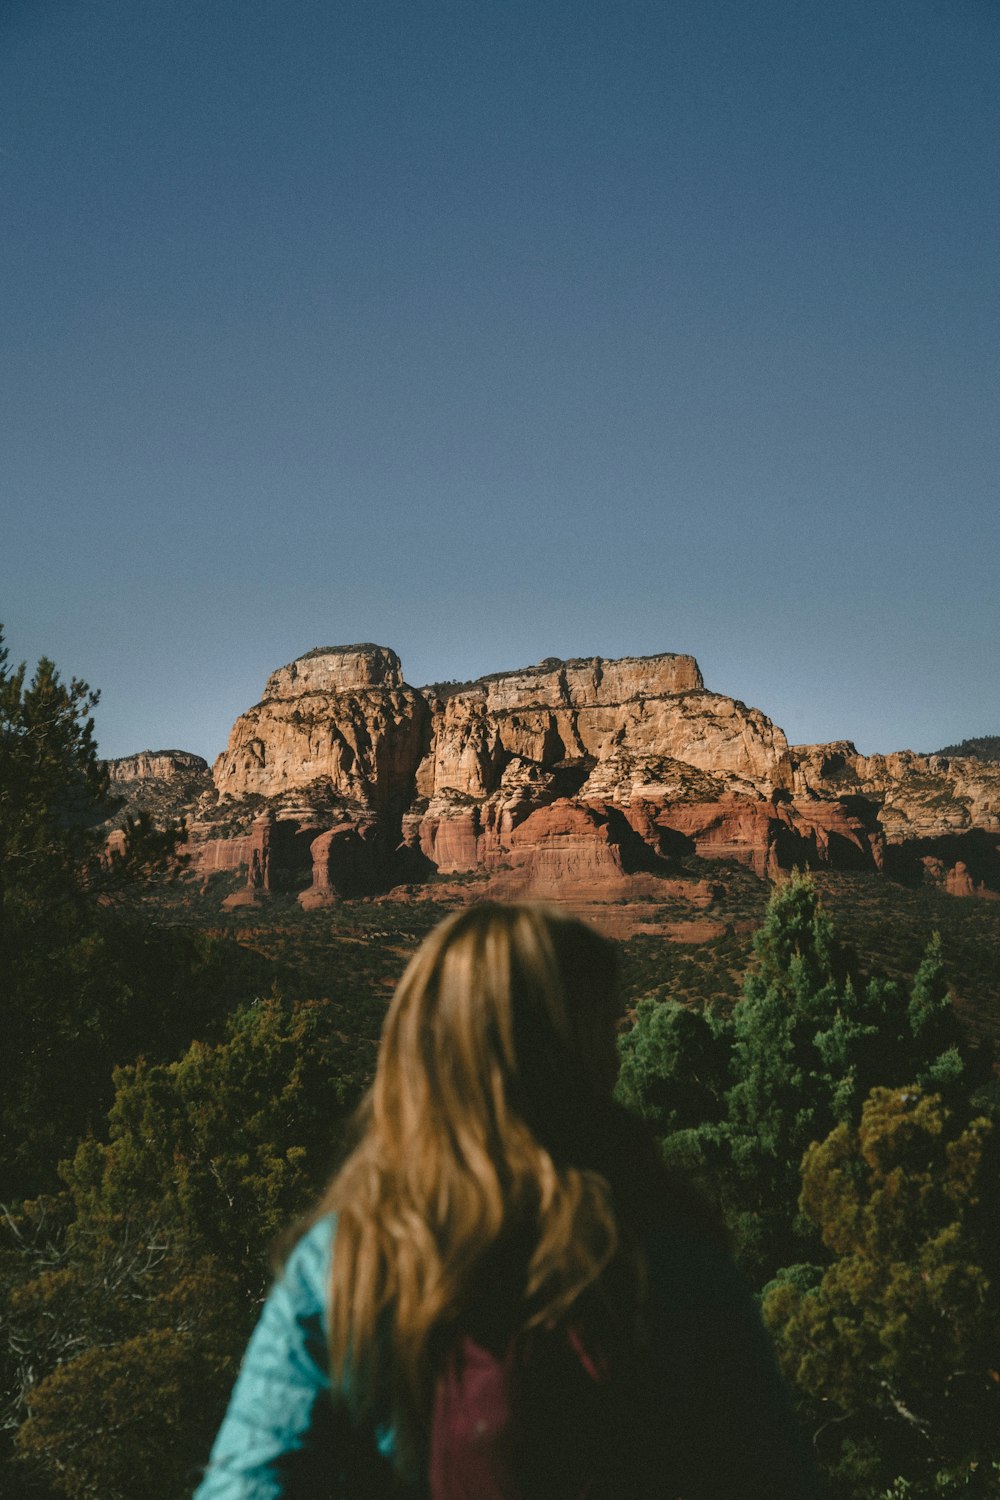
[502,1293]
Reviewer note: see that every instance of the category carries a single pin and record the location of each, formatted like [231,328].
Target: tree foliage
[883,1274]
[981,747]
[737,1102]
[896,1345]
[674,1067]
[85,982]
[134,1290]
[811,1037]
[54,790]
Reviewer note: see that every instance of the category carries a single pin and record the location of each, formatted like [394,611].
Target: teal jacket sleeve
[274,1438]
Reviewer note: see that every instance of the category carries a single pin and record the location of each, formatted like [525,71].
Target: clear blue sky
[499,329]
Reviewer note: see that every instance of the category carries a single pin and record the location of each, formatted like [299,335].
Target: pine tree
[82,986]
[795,1033]
[54,790]
[811,1038]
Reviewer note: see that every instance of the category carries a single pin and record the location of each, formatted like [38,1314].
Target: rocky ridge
[168,784]
[585,780]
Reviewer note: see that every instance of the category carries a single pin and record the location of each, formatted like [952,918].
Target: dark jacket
[715,1414]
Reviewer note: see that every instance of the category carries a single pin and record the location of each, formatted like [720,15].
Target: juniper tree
[894,1347]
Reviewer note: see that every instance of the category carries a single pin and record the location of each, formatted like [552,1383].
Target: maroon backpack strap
[484,1442]
[472,1428]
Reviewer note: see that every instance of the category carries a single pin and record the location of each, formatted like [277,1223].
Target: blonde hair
[500,1034]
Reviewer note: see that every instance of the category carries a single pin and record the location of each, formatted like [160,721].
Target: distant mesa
[594,780]
[162,765]
[164,783]
[335,669]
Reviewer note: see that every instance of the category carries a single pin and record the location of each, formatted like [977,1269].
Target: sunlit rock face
[342,716]
[166,785]
[580,711]
[336,669]
[591,780]
[939,815]
[156,765]
[572,852]
[918,796]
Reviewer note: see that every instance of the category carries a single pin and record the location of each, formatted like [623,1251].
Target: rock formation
[165,783]
[939,812]
[586,779]
[569,851]
[341,715]
[918,796]
[156,765]
[584,713]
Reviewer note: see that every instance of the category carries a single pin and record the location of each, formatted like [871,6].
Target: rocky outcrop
[340,715]
[917,796]
[590,780]
[156,765]
[767,834]
[347,861]
[336,669]
[166,784]
[589,712]
[939,815]
[568,851]
[278,855]
[957,878]
[582,682]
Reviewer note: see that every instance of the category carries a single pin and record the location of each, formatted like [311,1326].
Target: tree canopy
[54,789]
[894,1346]
[136,1287]
[85,981]
[738,1100]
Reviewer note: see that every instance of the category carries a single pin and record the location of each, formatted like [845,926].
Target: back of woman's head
[497,1057]
[501,1008]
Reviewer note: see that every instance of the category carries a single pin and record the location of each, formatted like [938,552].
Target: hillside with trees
[177,1086]
[983,747]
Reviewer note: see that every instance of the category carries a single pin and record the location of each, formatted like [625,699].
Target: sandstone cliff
[342,715]
[167,784]
[936,811]
[918,796]
[475,734]
[591,779]
[156,765]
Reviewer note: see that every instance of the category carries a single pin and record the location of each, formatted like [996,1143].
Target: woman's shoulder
[279,1402]
[305,1277]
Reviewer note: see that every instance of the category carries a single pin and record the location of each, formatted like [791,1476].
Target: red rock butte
[587,780]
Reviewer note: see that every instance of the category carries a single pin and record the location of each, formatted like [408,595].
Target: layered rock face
[588,712]
[939,812]
[918,796]
[341,715]
[164,783]
[569,851]
[586,780]
[336,669]
[156,765]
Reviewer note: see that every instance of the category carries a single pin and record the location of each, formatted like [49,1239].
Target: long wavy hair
[482,1179]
